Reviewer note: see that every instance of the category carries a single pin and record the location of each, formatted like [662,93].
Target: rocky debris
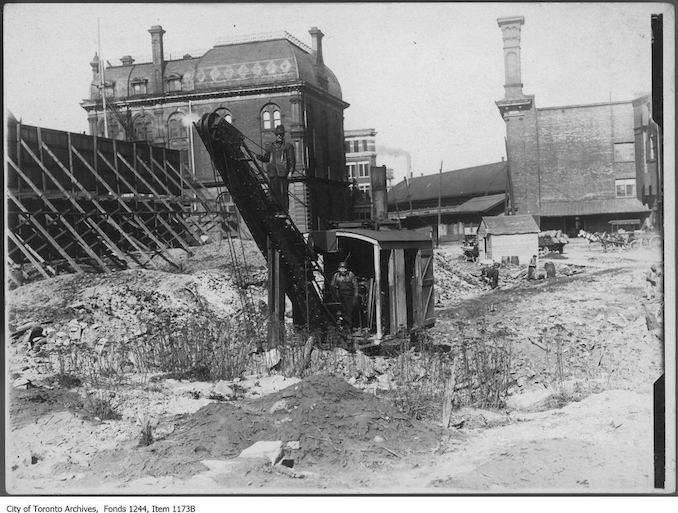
[271,450]
[472,418]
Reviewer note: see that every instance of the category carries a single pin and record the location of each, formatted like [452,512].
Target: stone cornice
[149,100]
[519,104]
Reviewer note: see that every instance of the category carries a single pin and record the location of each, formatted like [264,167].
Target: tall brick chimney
[510,31]
[317,44]
[157,32]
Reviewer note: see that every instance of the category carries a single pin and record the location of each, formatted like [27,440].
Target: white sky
[425,76]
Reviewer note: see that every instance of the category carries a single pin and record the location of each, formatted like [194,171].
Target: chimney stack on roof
[126,60]
[317,44]
[157,32]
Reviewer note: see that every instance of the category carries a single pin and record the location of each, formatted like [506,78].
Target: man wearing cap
[281,161]
[345,288]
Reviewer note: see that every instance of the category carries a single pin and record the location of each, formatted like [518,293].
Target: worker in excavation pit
[345,289]
[281,162]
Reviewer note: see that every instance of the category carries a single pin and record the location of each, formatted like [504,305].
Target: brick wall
[521,135]
[576,147]
[568,153]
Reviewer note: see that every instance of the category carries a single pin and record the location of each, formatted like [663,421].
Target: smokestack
[317,44]
[126,60]
[379,193]
[510,32]
[157,32]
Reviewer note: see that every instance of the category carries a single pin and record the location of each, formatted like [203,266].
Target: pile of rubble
[321,420]
[457,279]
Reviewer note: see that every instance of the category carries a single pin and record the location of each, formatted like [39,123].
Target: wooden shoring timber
[164,186]
[159,198]
[56,217]
[56,211]
[108,216]
[33,254]
[45,233]
[109,243]
[11,275]
[162,248]
[198,194]
[38,262]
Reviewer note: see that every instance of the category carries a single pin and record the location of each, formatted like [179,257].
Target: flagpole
[102,82]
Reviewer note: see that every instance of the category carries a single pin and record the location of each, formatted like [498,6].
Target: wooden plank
[392,303]
[120,254]
[141,224]
[107,215]
[31,258]
[44,233]
[377,289]
[60,215]
[198,194]
[161,199]
[400,288]
[164,186]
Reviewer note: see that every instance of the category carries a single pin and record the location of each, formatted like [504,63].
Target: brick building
[361,156]
[256,83]
[571,166]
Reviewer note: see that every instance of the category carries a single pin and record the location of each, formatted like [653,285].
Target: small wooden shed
[508,236]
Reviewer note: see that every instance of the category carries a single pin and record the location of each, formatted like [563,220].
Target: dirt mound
[332,421]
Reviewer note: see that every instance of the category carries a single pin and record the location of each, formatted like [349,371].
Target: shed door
[423,269]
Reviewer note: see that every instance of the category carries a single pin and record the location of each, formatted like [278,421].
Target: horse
[594,237]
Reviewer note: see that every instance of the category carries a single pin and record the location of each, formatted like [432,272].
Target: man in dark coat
[281,161]
[345,288]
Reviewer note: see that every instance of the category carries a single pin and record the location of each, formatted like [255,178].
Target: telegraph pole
[102,82]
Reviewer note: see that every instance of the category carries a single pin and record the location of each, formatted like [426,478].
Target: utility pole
[440,194]
[190,137]
[102,82]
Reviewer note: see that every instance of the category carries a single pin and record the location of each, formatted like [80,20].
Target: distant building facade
[464,195]
[256,83]
[361,156]
[571,166]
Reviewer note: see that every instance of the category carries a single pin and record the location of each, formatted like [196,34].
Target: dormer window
[139,86]
[173,83]
[109,88]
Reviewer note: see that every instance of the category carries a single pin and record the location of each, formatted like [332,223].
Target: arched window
[270,117]
[143,128]
[175,127]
